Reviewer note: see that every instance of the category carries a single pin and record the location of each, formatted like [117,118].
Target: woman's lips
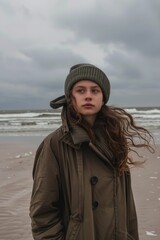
[88,105]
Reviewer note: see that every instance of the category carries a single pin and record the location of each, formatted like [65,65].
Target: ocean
[43,122]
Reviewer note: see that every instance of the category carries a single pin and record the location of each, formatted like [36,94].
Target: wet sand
[16,161]
[146,188]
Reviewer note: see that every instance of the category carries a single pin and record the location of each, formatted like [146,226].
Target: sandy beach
[16,161]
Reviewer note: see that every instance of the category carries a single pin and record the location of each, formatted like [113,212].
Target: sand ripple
[14,202]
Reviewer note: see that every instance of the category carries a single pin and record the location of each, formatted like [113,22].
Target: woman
[82,185]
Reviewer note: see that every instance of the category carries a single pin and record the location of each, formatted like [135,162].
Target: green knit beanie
[87,72]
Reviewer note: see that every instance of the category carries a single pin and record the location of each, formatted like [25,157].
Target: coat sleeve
[46,203]
[132,223]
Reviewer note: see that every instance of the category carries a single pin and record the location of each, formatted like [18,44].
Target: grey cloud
[43,64]
[42,77]
[52,58]
[136,24]
[129,69]
[123,69]
[6,7]
[33,68]
[138,98]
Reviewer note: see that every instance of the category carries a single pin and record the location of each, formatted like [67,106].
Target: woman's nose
[88,94]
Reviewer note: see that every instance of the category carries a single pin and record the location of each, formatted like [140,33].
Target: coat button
[94,204]
[94,180]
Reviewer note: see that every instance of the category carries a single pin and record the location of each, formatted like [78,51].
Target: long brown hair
[122,134]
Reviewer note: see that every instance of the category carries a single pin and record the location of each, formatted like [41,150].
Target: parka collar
[73,135]
[78,134]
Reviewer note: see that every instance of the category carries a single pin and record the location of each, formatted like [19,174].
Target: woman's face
[87,99]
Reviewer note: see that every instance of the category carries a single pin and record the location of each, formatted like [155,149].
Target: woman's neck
[90,119]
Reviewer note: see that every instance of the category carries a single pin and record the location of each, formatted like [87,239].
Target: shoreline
[16,163]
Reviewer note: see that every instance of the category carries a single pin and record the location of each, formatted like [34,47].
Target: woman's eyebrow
[79,86]
[95,87]
[86,86]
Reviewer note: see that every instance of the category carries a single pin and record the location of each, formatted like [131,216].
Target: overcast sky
[41,39]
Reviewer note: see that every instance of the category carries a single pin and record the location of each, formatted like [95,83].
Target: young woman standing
[82,184]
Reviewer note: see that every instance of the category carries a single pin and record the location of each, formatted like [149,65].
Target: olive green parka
[77,193]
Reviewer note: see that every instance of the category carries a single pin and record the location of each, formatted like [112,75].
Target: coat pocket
[73,230]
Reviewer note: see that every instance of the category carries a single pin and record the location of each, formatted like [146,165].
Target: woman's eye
[95,90]
[80,90]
